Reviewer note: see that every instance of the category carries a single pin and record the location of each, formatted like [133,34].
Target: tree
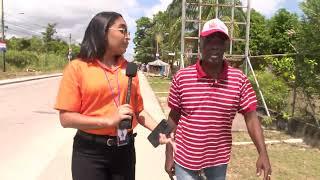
[48,34]
[144,42]
[36,45]
[309,35]
[308,66]
[279,26]
[259,35]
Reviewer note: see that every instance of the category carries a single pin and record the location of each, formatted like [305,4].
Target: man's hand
[169,165]
[263,164]
[256,134]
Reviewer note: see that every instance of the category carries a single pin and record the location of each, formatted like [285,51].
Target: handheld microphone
[131,72]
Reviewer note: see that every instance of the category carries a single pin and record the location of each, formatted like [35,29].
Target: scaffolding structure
[200,4]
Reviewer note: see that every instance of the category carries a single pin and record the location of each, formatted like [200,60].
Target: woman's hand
[124,112]
[163,139]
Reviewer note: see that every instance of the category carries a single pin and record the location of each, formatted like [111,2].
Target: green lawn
[289,162]
[160,85]
[268,135]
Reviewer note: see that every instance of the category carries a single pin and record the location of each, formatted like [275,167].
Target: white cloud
[26,18]
[158,7]
[266,7]
[72,16]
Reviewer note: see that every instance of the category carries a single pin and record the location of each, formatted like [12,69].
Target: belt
[104,139]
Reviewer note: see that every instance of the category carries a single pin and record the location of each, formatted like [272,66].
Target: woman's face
[118,37]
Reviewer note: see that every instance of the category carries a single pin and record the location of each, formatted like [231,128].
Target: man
[204,98]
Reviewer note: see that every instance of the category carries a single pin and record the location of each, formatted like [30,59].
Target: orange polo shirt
[92,89]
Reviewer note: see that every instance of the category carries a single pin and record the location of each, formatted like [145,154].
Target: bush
[275,91]
[21,59]
[51,62]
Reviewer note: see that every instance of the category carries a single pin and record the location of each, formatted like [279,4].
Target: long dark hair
[94,43]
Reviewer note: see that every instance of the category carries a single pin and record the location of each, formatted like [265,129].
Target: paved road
[35,146]
[30,135]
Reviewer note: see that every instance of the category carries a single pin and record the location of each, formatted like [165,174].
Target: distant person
[148,68]
[204,99]
[91,99]
[144,69]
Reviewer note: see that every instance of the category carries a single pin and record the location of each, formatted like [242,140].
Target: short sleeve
[174,99]
[248,100]
[69,94]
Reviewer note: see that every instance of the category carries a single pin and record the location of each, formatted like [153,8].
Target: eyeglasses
[124,31]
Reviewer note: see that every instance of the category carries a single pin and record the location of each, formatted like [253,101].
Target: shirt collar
[202,74]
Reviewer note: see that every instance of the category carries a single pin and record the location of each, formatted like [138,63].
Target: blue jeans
[211,173]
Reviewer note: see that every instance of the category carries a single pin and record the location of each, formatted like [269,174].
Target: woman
[91,99]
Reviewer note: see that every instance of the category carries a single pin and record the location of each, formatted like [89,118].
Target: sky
[29,18]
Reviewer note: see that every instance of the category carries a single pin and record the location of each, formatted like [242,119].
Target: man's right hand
[169,166]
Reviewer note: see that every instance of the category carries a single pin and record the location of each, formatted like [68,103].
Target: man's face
[213,48]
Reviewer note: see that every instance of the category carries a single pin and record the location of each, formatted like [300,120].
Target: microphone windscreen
[131,70]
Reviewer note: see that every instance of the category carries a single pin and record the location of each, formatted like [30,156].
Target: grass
[40,64]
[288,162]
[11,75]
[160,85]
[268,135]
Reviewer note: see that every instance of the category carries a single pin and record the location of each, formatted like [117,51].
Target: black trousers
[93,160]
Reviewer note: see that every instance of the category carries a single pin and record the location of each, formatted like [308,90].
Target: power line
[24,19]
[24,22]
[22,32]
[62,37]
[28,27]
[21,27]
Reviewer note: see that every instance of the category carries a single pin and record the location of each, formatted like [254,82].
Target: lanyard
[116,99]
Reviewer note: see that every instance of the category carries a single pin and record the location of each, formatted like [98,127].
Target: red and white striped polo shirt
[207,109]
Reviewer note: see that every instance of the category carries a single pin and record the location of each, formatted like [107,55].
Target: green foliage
[309,39]
[21,59]
[75,50]
[275,90]
[48,34]
[259,34]
[50,62]
[144,41]
[39,54]
[27,60]
[308,77]
[267,121]
[280,25]
[283,67]
[58,47]
[308,66]
[18,44]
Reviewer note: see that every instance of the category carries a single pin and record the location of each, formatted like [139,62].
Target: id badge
[122,138]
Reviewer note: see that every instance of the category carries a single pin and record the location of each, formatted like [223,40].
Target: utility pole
[70,50]
[2,30]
